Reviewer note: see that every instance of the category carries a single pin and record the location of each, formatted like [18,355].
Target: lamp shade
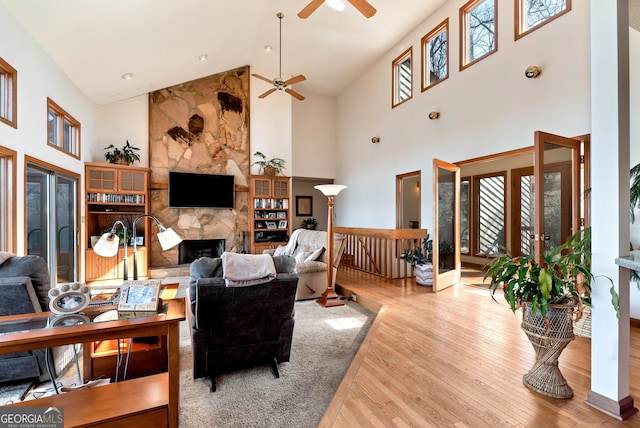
[168,239]
[107,245]
[330,189]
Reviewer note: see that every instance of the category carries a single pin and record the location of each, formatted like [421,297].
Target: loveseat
[240,326]
[308,247]
[24,284]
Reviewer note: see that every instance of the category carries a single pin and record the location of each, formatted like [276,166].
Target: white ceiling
[95,42]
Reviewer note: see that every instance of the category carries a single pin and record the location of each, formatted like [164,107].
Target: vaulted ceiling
[159,42]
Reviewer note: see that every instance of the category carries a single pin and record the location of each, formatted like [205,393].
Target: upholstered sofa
[235,327]
[308,247]
[24,284]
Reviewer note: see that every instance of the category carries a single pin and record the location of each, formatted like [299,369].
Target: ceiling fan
[278,83]
[362,5]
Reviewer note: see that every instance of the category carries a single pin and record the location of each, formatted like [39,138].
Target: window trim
[9,191]
[463,33]
[518,19]
[394,86]
[7,70]
[61,113]
[470,220]
[424,43]
[476,211]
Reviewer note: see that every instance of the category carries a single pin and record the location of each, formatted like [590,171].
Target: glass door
[52,221]
[446,214]
[557,200]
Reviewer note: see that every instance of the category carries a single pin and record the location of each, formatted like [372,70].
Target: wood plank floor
[455,359]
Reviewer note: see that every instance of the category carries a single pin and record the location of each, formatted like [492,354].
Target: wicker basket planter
[548,342]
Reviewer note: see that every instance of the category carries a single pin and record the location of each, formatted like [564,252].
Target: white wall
[38,78]
[122,121]
[487,108]
[634,155]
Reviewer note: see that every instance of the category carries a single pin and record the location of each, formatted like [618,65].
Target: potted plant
[272,166]
[123,156]
[551,295]
[419,257]
[309,223]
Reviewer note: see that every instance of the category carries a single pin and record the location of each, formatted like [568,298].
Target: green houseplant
[125,155]
[272,166]
[552,294]
[420,259]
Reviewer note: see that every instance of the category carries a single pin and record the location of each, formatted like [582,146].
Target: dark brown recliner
[236,327]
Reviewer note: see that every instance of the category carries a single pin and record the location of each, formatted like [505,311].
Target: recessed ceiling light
[337,5]
[268,48]
[203,57]
[127,76]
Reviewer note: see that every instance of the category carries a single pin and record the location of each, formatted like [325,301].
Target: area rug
[325,340]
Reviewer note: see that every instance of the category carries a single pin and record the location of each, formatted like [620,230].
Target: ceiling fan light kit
[362,5]
[278,83]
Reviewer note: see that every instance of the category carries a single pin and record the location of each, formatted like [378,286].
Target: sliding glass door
[52,220]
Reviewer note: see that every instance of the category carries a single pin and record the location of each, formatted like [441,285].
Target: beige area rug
[325,340]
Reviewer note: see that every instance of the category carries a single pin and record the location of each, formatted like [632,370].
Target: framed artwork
[271,225]
[139,241]
[304,205]
[282,224]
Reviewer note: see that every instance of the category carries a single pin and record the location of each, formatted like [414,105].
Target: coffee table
[146,401]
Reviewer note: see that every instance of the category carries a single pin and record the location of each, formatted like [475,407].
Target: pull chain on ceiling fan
[362,5]
[278,83]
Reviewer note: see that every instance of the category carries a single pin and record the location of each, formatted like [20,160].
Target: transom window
[8,94]
[402,78]
[478,31]
[532,14]
[435,55]
[63,130]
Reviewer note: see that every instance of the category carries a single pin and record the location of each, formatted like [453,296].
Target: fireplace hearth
[192,249]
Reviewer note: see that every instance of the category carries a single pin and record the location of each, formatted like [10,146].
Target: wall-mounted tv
[194,190]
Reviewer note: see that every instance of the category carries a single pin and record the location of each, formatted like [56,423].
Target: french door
[446,214]
[52,220]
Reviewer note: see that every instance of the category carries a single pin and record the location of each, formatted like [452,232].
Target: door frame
[448,278]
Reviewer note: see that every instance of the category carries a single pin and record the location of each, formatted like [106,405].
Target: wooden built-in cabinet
[115,192]
[269,212]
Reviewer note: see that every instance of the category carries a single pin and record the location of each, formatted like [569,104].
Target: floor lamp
[107,245]
[167,238]
[329,297]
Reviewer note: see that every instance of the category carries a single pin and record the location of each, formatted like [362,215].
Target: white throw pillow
[302,256]
[315,256]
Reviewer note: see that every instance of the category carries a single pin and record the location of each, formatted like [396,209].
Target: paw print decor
[69,298]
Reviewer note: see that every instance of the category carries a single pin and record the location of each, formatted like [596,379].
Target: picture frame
[282,224]
[271,225]
[69,298]
[139,241]
[304,206]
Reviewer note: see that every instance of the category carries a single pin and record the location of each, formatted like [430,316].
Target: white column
[610,205]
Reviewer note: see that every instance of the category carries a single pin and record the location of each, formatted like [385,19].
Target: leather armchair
[235,327]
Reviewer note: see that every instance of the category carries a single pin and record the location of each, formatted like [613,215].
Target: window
[490,199]
[63,130]
[8,94]
[478,31]
[465,214]
[402,81]
[7,200]
[435,55]
[533,14]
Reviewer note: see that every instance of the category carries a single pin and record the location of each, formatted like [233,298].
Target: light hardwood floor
[455,359]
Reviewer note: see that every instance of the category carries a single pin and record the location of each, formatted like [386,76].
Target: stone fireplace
[192,249]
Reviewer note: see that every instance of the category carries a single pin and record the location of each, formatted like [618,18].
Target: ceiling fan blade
[310,8]
[364,7]
[297,79]
[269,92]
[262,78]
[294,94]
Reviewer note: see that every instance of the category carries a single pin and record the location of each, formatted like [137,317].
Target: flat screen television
[194,190]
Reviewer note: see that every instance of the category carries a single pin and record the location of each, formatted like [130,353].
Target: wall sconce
[434,115]
[375,140]
[532,72]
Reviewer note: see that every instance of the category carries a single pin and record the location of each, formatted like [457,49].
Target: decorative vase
[269,170]
[424,274]
[548,340]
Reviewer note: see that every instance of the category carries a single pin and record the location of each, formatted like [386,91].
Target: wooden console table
[147,401]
